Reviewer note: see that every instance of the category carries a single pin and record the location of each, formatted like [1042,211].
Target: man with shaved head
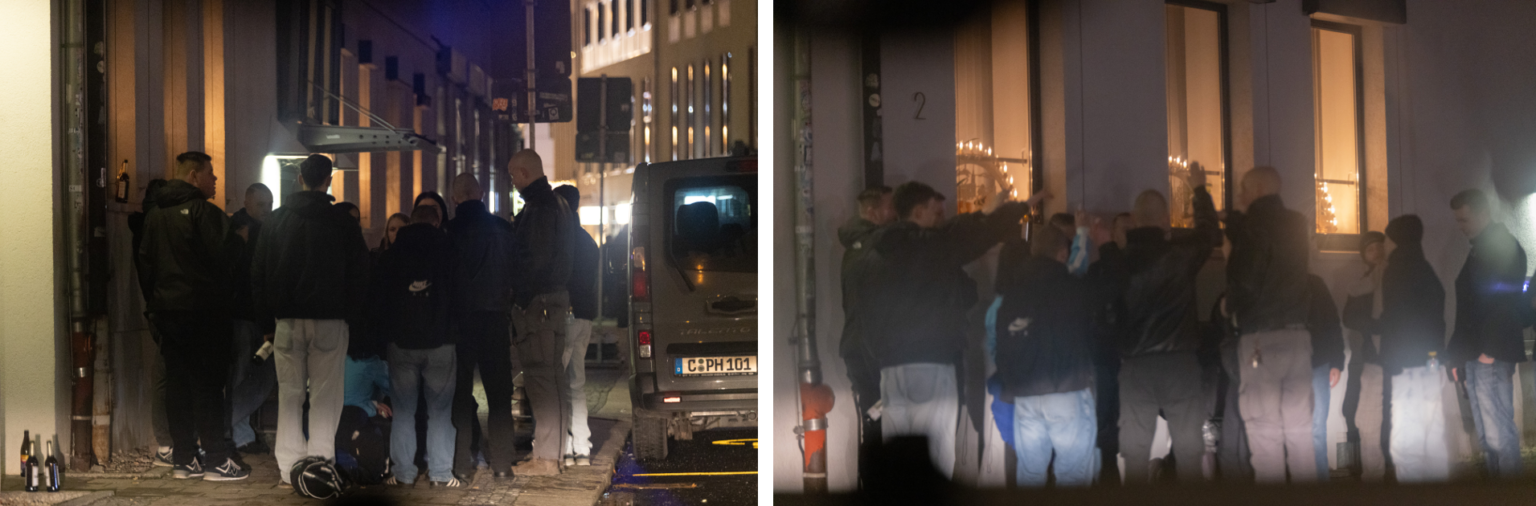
[1268,295]
[544,246]
[1160,331]
[482,304]
[249,384]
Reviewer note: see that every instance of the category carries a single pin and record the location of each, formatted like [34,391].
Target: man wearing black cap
[1412,330]
[311,274]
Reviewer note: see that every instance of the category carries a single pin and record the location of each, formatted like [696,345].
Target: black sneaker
[230,471]
[192,470]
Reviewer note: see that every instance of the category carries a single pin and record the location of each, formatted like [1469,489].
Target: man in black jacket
[1488,339]
[186,254]
[415,285]
[1411,329]
[876,209]
[1159,332]
[157,422]
[578,333]
[482,299]
[249,384]
[913,308]
[1045,364]
[1268,295]
[310,274]
[542,249]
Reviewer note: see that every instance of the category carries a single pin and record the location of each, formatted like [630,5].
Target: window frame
[1346,242]
[1225,73]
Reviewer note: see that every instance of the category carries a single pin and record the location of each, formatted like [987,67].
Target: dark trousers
[1166,384]
[196,347]
[484,342]
[1107,408]
[865,377]
[540,348]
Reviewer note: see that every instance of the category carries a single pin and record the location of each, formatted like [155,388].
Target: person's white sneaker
[583,460]
[163,457]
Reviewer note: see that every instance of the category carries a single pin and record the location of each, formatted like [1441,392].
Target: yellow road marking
[697,474]
[737,442]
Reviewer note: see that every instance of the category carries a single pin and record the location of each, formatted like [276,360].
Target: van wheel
[650,435]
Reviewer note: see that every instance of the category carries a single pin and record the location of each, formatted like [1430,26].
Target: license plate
[714,366]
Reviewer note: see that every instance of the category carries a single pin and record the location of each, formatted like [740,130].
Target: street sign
[552,38]
[589,148]
[619,102]
[508,97]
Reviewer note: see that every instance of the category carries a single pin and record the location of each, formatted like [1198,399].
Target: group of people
[383,341]
[1096,332]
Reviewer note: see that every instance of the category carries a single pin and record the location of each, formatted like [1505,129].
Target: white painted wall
[34,392]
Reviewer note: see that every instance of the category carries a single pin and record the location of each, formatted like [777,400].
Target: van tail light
[640,278]
[644,338]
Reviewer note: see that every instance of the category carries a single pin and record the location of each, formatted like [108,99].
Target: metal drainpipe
[82,346]
[815,398]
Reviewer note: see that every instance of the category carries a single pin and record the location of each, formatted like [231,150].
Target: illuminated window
[708,117]
[645,119]
[1337,127]
[1197,126]
[995,119]
[673,123]
[690,117]
[725,103]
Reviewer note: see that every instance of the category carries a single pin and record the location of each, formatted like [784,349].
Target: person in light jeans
[1418,445]
[1062,422]
[313,353]
[578,447]
[436,369]
[1490,390]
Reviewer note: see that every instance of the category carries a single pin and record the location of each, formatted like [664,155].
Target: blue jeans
[1491,391]
[1320,419]
[249,384]
[1064,423]
[408,369]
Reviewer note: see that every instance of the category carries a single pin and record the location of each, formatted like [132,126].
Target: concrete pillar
[34,391]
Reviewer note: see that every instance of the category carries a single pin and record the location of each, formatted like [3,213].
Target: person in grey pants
[542,252]
[1267,292]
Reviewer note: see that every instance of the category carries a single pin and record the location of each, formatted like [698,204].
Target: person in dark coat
[1045,364]
[1159,332]
[1327,361]
[187,255]
[1411,329]
[578,333]
[414,312]
[541,256]
[310,273]
[1489,338]
[1267,292]
[249,384]
[482,303]
[914,305]
[876,209]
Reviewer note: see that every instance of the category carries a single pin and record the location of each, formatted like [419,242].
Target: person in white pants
[310,273]
[578,332]
[578,447]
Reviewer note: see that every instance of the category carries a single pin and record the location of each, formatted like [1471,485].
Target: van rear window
[713,223]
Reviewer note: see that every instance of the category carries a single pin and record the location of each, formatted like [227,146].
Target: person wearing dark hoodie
[433,199]
[482,304]
[157,421]
[310,273]
[913,311]
[1364,397]
[1267,294]
[1411,330]
[1045,364]
[1159,332]
[414,311]
[1489,337]
[187,254]
[578,333]
[542,249]
[876,209]
[249,384]
[1327,361]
